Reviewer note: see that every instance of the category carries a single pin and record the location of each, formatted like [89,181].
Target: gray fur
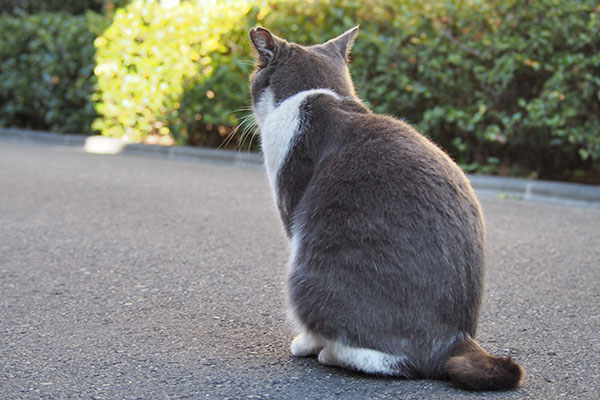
[389,234]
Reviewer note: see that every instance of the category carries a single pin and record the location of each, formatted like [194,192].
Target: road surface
[142,278]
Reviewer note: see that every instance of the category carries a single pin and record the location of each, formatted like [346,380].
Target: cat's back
[379,159]
[379,180]
[388,209]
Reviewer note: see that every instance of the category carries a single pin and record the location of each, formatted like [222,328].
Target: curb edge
[485,185]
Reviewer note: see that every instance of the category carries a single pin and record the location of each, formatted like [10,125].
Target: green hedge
[69,6]
[46,71]
[508,87]
[37,6]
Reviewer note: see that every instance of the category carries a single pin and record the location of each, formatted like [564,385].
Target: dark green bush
[67,6]
[37,6]
[506,86]
[46,69]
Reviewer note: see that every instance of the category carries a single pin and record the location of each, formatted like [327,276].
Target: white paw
[305,345]
[326,357]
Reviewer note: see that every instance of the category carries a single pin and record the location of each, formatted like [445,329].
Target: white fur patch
[294,245]
[307,344]
[278,125]
[365,360]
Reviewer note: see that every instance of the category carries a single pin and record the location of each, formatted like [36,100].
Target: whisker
[251,140]
[229,137]
[244,126]
[245,62]
[250,130]
[239,110]
[245,129]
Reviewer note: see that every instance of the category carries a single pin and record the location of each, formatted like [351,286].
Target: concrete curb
[501,187]
[43,137]
[537,190]
[196,153]
[106,145]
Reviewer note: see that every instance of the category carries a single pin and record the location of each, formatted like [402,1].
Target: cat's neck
[279,124]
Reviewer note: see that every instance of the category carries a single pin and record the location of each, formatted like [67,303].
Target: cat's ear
[265,44]
[343,43]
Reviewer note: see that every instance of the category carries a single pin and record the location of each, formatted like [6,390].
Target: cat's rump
[470,367]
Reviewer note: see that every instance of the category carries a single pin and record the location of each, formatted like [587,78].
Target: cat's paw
[305,345]
[326,357]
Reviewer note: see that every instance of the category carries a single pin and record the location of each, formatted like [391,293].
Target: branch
[460,44]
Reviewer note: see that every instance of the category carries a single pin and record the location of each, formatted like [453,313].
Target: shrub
[37,6]
[71,7]
[508,87]
[146,57]
[504,86]
[46,65]
[214,104]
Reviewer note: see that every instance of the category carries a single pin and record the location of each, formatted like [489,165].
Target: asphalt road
[134,277]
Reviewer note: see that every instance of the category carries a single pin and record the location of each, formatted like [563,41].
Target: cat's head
[287,68]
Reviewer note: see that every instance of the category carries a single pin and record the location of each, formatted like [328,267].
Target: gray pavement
[137,277]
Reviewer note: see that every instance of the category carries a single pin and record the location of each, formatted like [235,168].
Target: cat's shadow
[313,363]
[340,373]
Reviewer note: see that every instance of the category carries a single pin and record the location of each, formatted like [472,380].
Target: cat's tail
[470,367]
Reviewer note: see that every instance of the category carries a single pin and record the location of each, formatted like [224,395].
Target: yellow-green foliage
[147,54]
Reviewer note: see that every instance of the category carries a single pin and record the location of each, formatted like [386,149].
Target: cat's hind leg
[307,344]
[365,360]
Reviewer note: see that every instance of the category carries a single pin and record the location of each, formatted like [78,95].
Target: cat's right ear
[343,43]
[264,43]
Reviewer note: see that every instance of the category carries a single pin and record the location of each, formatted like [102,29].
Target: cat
[386,235]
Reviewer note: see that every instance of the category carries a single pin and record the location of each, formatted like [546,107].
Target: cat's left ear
[343,43]
[265,44]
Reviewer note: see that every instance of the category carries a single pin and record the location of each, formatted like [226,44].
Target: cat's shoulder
[331,102]
[352,114]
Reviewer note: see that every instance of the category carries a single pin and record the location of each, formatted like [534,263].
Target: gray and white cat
[386,235]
